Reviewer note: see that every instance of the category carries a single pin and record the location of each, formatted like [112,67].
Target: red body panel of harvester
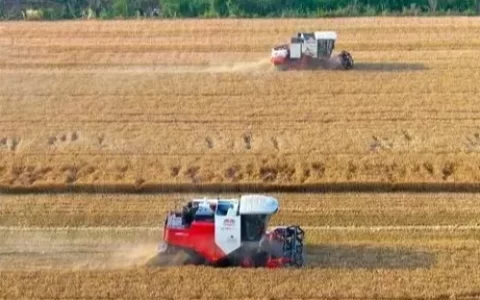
[200,236]
[298,64]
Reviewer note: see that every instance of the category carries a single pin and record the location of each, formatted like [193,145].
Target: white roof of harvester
[258,204]
[325,35]
[249,204]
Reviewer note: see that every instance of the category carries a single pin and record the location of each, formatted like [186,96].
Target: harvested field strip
[396,80]
[343,210]
[394,264]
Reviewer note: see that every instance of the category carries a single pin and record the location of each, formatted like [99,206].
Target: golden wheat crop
[137,102]
[119,210]
[205,283]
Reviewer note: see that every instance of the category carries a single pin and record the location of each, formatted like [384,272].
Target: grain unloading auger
[229,232]
[311,50]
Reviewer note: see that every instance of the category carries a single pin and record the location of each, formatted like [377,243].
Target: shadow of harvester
[388,67]
[366,257]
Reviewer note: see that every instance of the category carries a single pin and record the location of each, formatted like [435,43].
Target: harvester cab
[231,232]
[311,50]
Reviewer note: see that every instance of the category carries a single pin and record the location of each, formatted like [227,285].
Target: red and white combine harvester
[230,232]
[311,50]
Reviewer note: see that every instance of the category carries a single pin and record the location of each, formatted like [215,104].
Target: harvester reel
[294,246]
[292,239]
[346,60]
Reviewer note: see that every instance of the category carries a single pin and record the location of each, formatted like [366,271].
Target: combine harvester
[311,51]
[229,233]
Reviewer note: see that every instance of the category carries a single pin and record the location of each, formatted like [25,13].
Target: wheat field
[311,210]
[181,107]
[362,246]
[143,102]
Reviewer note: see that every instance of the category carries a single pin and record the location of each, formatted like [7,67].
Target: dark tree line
[106,9]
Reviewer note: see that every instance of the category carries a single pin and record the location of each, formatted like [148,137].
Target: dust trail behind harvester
[76,249]
[144,255]
[121,258]
[262,65]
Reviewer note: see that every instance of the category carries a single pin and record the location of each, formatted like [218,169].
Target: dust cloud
[75,249]
[260,66]
[120,258]
[257,66]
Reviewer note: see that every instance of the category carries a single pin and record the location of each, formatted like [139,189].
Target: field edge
[168,188]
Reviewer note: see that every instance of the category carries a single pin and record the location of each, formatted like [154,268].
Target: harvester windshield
[253,227]
[325,42]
